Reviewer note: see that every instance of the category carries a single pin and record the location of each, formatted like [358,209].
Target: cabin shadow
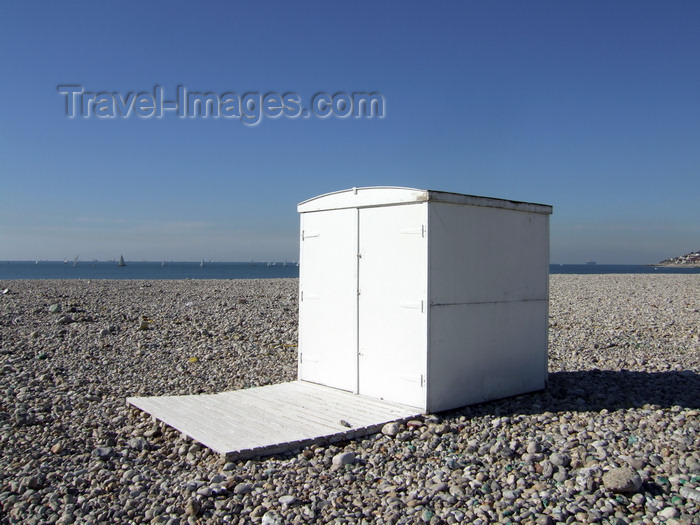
[595,390]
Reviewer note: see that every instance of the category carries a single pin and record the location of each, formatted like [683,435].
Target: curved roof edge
[389,195]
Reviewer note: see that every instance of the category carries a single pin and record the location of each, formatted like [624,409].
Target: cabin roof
[392,195]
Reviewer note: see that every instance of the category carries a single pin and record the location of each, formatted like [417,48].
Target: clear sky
[590,106]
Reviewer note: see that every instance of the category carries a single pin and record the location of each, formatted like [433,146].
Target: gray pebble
[193,507]
[138,443]
[439,487]
[343,458]
[391,429]
[534,447]
[622,480]
[668,513]
[547,469]
[242,488]
[205,492]
[690,493]
[560,475]
[192,486]
[103,453]
[560,460]
[271,518]
[287,500]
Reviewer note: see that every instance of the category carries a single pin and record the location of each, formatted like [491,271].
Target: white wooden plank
[208,417]
[284,425]
[204,425]
[272,419]
[314,415]
[280,409]
[310,413]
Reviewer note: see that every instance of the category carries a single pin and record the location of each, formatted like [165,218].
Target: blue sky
[592,107]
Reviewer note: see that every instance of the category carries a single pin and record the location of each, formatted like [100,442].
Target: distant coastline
[665,264]
[689,260]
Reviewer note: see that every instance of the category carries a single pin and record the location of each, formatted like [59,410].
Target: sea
[240,270]
[146,270]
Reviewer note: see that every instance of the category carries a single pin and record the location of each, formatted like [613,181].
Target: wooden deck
[272,419]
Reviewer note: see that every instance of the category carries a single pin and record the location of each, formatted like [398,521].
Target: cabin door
[393,268]
[328,298]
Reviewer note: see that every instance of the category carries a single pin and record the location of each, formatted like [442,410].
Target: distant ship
[591,263]
[121,261]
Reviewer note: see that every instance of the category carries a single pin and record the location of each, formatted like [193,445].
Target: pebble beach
[613,439]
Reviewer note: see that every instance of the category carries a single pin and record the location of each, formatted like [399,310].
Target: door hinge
[308,235]
[414,231]
[414,306]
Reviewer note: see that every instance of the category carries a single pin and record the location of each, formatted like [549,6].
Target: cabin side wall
[488,283]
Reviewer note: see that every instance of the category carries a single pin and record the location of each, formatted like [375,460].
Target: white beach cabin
[430,299]
[410,301]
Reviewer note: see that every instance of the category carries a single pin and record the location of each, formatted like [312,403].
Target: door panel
[393,303]
[328,299]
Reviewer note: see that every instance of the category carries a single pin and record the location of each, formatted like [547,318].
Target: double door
[363,301]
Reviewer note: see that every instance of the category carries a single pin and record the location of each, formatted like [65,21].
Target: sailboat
[202,264]
[121,261]
[75,261]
